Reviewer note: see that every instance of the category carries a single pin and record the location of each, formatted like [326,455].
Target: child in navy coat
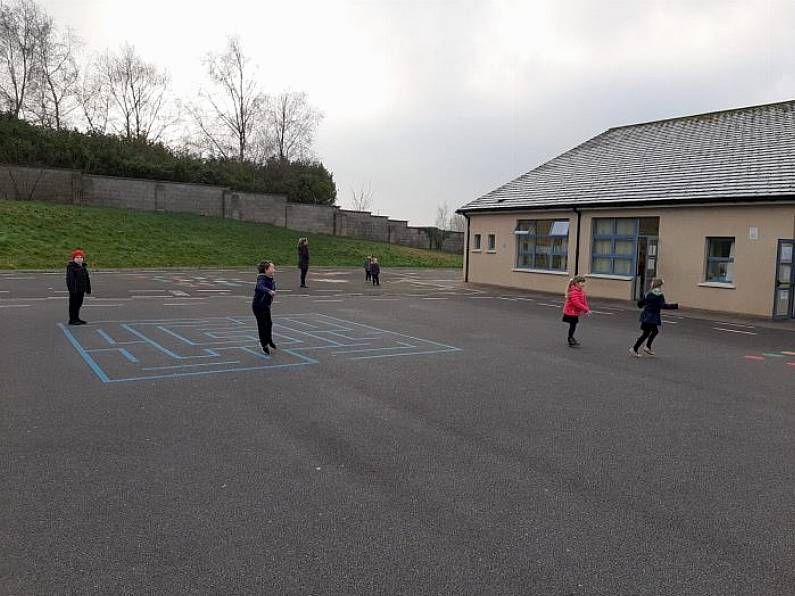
[650,320]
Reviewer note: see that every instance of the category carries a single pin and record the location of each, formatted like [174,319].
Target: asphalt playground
[422,437]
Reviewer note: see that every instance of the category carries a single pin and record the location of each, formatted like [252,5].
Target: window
[476,242]
[720,260]
[542,244]
[614,246]
[492,242]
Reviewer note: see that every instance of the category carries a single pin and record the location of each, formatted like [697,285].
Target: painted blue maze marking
[118,351]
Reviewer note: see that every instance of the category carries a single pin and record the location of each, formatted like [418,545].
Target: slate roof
[741,154]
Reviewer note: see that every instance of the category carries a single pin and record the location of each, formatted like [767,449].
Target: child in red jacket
[576,304]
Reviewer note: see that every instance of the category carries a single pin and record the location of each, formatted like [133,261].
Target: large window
[542,244]
[720,260]
[492,243]
[614,246]
[476,242]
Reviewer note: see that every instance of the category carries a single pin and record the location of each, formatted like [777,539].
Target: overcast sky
[441,101]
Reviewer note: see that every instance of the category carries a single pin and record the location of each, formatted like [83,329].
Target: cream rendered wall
[497,268]
[681,259]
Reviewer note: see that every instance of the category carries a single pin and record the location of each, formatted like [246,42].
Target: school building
[706,202]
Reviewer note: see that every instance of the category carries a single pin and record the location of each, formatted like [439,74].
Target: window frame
[491,242]
[730,260]
[533,253]
[613,238]
[476,242]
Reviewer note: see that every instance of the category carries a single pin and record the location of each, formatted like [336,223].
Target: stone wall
[74,187]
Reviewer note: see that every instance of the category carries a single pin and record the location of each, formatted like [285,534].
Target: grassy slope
[41,235]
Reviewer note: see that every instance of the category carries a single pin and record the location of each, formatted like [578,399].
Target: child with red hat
[78,283]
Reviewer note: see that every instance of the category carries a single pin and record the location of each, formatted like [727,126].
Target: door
[646,265]
[783,294]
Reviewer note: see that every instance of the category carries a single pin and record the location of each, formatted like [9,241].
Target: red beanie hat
[78,253]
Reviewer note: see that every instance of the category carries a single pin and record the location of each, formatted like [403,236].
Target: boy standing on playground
[78,283]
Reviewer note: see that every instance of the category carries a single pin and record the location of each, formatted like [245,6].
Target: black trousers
[572,321]
[303,275]
[264,325]
[376,281]
[75,302]
[650,331]
[366,275]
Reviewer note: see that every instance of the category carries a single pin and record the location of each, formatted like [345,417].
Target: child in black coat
[650,320]
[375,271]
[78,282]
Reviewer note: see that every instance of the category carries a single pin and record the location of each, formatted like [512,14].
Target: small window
[492,242]
[720,260]
[476,242]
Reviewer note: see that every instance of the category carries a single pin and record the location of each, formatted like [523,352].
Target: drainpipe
[466,250]
[577,251]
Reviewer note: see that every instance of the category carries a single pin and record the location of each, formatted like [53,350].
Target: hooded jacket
[77,278]
[576,302]
[652,304]
[262,295]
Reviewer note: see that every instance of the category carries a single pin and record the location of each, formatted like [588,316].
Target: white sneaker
[634,354]
[649,351]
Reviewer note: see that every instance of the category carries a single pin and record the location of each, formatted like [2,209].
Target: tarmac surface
[422,437]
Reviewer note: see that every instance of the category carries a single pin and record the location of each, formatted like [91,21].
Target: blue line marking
[91,362]
[186,365]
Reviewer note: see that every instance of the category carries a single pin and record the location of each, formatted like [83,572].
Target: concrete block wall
[401,233]
[74,187]
[362,224]
[259,208]
[120,193]
[201,199]
[311,218]
[39,184]
[454,242]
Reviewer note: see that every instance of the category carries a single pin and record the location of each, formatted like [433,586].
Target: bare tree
[443,216]
[449,221]
[363,200]
[93,97]
[20,22]
[457,222]
[291,123]
[230,115]
[138,93]
[55,84]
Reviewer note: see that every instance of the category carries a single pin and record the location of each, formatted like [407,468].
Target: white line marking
[667,322]
[101,305]
[224,291]
[14,305]
[601,312]
[734,324]
[180,304]
[552,305]
[734,331]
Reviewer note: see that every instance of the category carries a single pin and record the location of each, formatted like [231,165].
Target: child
[575,305]
[261,305]
[375,271]
[78,283]
[650,317]
[303,259]
[367,264]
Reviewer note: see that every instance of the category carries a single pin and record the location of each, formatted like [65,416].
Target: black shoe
[266,350]
[303,286]
[273,346]
[81,322]
[74,323]
[573,343]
